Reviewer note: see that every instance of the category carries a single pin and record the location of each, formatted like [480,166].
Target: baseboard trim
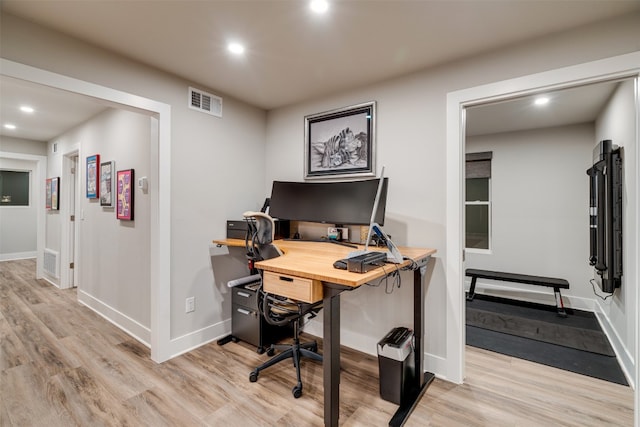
[18,255]
[195,339]
[115,317]
[625,359]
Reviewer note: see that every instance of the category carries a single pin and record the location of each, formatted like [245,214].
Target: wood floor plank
[12,352]
[63,365]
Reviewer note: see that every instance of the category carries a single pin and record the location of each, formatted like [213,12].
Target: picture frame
[48,191]
[124,194]
[53,195]
[93,176]
[340,143]
[107,184]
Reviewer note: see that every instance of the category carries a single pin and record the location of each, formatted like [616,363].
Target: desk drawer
[296,288]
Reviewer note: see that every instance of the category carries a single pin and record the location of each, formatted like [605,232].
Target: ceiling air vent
[205,102]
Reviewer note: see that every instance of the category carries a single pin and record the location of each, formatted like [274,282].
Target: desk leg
[331,355]
[422,379]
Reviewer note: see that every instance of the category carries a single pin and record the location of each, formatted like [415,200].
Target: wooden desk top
[314,260]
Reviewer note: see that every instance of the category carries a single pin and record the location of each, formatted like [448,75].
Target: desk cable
[389,286]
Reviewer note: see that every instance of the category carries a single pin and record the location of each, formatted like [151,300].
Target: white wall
[113,255]
[540,196]
[217,166]
[411,135]
[618,123]
[24,146]
[18,224]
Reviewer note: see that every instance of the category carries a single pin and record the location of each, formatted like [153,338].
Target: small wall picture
[93,175]
[124,194]
[107,184]
[53,192]
[48,201]
[340,143]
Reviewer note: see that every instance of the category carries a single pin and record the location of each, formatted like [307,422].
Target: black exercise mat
[536,333]
[569,359]
[579,330]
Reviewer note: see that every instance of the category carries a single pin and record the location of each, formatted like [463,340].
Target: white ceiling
[293,55]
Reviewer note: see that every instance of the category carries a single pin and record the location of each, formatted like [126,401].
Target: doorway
[457,104]
[69,242]
[160,198]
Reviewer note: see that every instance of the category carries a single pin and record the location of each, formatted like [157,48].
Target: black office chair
[278,310]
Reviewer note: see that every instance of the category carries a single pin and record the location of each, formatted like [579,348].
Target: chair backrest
[275,309]
[259,241]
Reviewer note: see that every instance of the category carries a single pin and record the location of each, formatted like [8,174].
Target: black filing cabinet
[248,325]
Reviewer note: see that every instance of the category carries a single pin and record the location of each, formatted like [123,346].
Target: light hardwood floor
[63,365]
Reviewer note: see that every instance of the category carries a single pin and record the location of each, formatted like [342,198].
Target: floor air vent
[51,263]
[205,102]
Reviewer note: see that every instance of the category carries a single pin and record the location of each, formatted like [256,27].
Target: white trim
[625,359]
[160,194]
[606,69]
[65,212]
[38,177]
[195,339]
[121,320]
[18,255]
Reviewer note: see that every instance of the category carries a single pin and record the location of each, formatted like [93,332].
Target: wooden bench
[556,284]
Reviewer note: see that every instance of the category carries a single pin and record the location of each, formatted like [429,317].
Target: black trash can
[396,364]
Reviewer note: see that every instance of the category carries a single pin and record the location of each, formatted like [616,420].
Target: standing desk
[314,261]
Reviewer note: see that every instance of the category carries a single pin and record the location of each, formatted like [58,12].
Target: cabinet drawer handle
[243,294]
[286,279]
[243,311]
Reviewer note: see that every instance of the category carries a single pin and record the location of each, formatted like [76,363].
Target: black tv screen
[340,203]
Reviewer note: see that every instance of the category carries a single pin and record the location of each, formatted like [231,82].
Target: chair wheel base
[297,391]
[253,377]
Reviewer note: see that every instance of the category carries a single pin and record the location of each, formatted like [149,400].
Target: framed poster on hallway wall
[124,195]
[93,175]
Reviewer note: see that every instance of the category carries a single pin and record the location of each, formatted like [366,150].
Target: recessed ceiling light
[26,109]
[319,6]
[9,126]
[235,48]
[543,100]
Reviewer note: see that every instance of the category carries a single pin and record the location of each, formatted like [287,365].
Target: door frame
[623,66]
[66,280]
[160,194]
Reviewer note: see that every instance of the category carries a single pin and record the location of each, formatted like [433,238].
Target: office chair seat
[278,310]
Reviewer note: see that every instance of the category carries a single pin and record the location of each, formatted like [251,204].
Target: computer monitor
[339,203]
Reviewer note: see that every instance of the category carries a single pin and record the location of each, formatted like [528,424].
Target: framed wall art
[124,194]
[53,194]
[341,142]
[93,175]
[48,198]
[107,181]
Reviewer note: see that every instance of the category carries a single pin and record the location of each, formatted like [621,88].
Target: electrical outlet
[190,304]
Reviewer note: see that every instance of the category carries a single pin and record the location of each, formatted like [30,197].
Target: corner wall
[411,143]
[216,170]
[618,122]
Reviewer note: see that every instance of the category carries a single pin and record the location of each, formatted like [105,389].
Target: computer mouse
[340,264]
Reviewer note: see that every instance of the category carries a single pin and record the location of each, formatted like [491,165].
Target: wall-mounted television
[341,203]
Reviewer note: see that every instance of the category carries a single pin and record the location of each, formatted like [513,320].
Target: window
[14,188]
[478,201]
